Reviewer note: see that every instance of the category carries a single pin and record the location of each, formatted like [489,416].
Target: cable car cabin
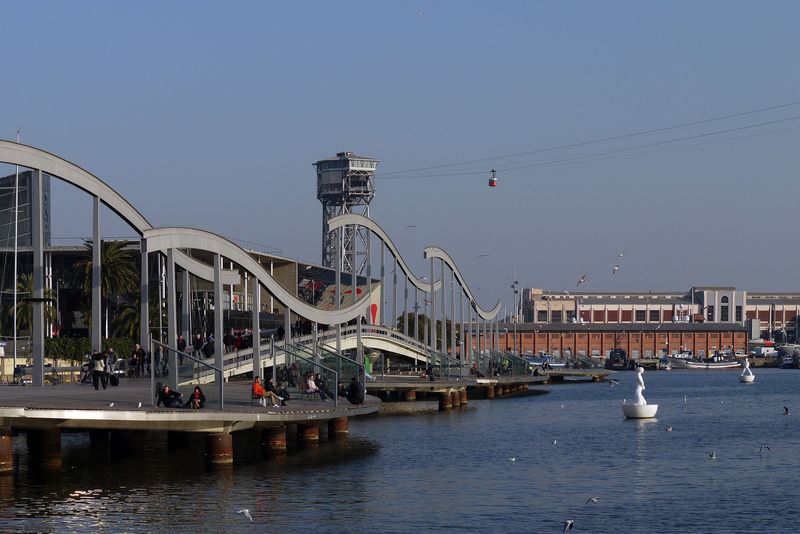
[493,179]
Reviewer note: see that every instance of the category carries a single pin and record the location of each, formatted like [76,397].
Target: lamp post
[515,316]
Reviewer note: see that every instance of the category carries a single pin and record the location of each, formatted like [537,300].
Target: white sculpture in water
[747,375]
[638,397]
[639,409]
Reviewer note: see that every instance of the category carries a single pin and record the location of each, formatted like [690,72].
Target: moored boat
[617,360]
[680,363]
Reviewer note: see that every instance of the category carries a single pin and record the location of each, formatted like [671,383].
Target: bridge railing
[513,365]
[344,366]
[174,354]
[303,364]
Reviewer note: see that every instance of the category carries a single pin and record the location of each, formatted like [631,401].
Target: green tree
[127,321]
[118,274]
[24,308]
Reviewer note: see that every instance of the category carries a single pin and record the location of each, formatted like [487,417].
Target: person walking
[139,355]
[99,375]
[198,346]
[181,345]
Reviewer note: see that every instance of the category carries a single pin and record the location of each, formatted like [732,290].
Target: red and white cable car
[493,179]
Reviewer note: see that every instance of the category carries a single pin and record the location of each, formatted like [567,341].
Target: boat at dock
[617,360]
[716,362]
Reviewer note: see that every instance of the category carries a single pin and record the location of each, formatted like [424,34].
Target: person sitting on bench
[262,394]
[355,392]
[169,398]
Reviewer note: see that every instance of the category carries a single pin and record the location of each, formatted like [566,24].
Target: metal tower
[345,184]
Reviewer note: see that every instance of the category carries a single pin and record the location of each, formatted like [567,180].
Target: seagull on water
[555,442]
[712,455]
[613,382]
[246,513]
[785,410]
[593,500]
[568,524]
[763,448]
[512,459]
[668,429]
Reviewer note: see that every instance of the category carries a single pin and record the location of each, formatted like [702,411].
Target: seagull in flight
[568,524]
[411,226]
[483,255]
[615,269]
[583,279]
[621,252]
[246,513]
[668,429]
[593,500]
[612,382]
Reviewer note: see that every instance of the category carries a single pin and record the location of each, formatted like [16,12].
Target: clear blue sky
[211,114]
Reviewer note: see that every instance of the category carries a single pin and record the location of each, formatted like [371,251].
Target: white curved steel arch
[35,158]
[163,239]
[436,252]
[354,218]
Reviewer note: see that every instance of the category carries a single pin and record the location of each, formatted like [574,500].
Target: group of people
[174,399]
[100,368]
[263,392]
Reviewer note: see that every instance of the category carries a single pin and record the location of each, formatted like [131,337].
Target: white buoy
[639,409]
[747,376]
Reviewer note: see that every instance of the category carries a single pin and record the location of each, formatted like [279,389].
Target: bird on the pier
[712,455]
[615,269]
[763,448]
[111,405]
[568,524]
[592,500]
[668,429]
[583,279]
[246,513]
[140,404]
[785,410]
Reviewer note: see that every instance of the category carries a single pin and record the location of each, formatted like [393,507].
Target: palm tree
[24,309]
[117,272]
[127,321]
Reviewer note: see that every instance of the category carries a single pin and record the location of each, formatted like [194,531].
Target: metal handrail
[339,357]
[176,353]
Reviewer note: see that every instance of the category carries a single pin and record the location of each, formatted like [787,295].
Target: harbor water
[453,471]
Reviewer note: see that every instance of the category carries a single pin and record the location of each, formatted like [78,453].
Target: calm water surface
[450,472]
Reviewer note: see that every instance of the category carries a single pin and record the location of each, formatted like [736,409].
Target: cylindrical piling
[337,428]
[6,457]
[445,402]
[219,449]
[489,391]
[409,396]
[45,445]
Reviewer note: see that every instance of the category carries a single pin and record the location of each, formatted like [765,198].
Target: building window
[723,313]
[738,314]
[710,314]
[556,316]
[541,316]
[640,316]
[570,316]
[654,315]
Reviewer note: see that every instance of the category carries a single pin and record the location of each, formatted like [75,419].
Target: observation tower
[345,184]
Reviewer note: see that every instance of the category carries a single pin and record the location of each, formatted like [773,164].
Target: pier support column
[219,449]
[275,438]
[445,402]
[489,391]
[45,446]
[409,396]
[337,428]
[462,397]
[6,457]
[308,432]
[455,401]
